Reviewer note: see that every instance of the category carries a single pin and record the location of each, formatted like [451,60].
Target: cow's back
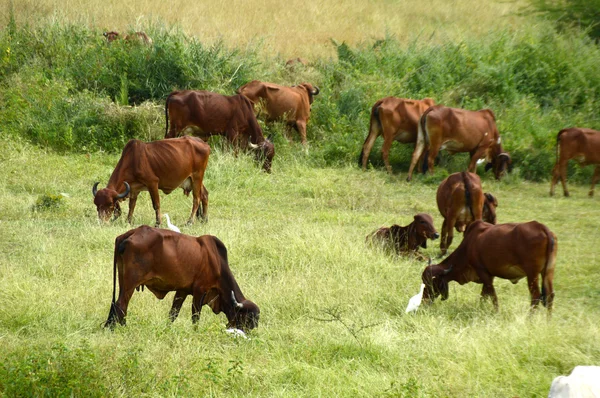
[582,144]
[451,195]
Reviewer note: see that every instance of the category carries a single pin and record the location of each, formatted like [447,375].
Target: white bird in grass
[171,226]
[415,301]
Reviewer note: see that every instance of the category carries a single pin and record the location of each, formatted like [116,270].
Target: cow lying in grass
[408,239]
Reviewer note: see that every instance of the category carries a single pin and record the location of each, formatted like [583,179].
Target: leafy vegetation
[567,14]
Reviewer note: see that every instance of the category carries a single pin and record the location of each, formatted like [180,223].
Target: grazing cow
[164,165]
[508,251]
[406,239]
[137,37]
[580,144]
[290,103]
[207,114]
[461,201]
[166,261]
[584,381]
[398,120]
[459,130]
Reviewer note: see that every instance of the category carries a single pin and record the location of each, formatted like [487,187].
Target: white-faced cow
[397,119]
[165,261]
[459,130]
[581,145]
[165,165]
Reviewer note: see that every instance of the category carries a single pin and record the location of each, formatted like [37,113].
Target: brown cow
[166,261]
[406,239]
[459,130]
[207,114]
[398,120]
[461,201]
[136,37]
[580,144]
[164,165]
[291,103]
[508,251]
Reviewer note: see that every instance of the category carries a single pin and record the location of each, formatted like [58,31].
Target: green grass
[296,247]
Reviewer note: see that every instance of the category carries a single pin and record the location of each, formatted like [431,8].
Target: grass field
[296,247]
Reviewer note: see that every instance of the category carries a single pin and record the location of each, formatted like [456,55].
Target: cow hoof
[408,179]
[591,194]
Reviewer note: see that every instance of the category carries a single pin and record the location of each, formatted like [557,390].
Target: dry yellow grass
[292,28]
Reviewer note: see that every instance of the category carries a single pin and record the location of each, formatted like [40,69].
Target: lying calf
[406,239]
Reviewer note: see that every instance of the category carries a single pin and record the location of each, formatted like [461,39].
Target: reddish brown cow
[136,37]
[398,120]
[207,114]
[164,165]
[166,261]
[290,103]
[580,144]
[461,201]
[406,239]
[459,130]
[508,251]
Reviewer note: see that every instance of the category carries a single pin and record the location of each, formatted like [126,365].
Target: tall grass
[332,309]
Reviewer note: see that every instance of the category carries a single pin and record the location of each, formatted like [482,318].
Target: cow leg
[367,146]
[488,287]
[534,290]
[153,189]
[197,305]
[475,156]
[555,177]
[388,140]
[132,201]
[177,303]
[419,147]
[595,178]
[447,234]
[198,191]
[431,155]
[563,177]
[301,126]
[202,211]
[233,138]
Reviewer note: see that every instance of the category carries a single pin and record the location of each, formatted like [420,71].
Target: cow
[460,130]
[281,102]
[164,261]
[508,251]
[406,239]
[398,120]
[460,200]
[164,165]
[207,113]
[136,37]
[580,144]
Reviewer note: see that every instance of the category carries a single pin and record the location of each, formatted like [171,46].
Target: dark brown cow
[164,165]
[459,130]
[398,120]
[136,37]
[406,239]
[580,144]
[207,114]
[508,251]
[461,201]
[166,261]
[282,102]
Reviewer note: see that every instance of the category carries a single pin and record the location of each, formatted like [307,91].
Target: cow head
[265,151]
[111,36]
[246,314]
[107,201]
[489,208]
[499,164]
[435,278]
[424,228]
[312,91]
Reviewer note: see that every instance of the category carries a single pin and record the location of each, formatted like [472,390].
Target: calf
[406,239]
[461,201]
[508,251]
[581,145]
[166,261]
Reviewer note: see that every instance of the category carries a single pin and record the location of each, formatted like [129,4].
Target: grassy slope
[296,245]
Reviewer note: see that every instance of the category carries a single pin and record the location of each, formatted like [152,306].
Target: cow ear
[488,166]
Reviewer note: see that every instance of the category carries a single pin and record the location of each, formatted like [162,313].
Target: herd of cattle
[165,261]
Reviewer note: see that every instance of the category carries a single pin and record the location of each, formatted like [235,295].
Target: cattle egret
[584,381]
[236,332]
[415,301]
[171,226]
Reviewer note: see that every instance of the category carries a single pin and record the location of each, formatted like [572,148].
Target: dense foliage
[65,87]
[571,13]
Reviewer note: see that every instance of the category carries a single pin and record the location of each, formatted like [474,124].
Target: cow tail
[468,190]
[425,135]
[558,142]
[167,113]
[548,271]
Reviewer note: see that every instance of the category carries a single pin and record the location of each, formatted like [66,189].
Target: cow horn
[235,303]
[447,271]
[316,91]
[127,189]
[95,189]
[251,145]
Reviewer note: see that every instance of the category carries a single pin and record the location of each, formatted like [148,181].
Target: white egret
[171,226]
[415,301]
